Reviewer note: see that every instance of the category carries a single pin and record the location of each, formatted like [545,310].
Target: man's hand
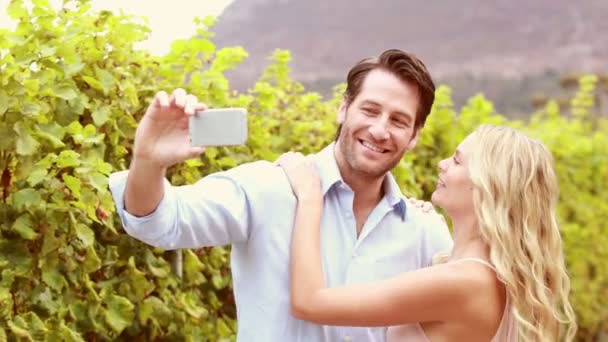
[161,139]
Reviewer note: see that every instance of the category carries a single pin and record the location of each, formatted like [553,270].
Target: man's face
[378,126]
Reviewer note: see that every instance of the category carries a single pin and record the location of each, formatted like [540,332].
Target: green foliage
[74,88]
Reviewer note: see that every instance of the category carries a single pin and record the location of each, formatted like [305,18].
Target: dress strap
[481,261]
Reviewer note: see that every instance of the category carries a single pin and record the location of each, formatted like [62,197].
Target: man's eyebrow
[370,103]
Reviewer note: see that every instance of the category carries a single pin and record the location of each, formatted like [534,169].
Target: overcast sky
[168,20]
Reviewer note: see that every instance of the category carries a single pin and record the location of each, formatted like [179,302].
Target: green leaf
[32,85]
[158,267]
[98,181]
[93,83]
[153,307]
[26,198]
[68,158]
[16,10]
[47,161]
[52,133]
[223,329]
[53,278]
[74,67]
[47,301]
[66,92]
[73,184]
[7,141]
[85,234]
[3,102]
[19,327]
[25,227]
[68,335]
[15,252]
[119,313]
[47,50]
[107,81]
[192,307]
[50,243]
[35,326]
[26,144]
[193,268]
[42,3]
[30,108]
[37,176]
[103,167]
[139,286]
[91,261]
[101,115]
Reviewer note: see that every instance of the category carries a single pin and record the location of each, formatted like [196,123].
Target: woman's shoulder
[486,294]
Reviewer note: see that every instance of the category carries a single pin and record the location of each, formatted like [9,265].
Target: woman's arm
[438,293]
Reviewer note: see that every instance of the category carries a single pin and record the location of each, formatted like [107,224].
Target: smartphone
[218,127]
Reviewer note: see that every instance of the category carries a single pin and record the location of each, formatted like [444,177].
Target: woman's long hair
[515,198]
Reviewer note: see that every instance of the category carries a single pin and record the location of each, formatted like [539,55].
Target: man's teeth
[372,147]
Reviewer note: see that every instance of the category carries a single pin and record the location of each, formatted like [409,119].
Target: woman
[505,279]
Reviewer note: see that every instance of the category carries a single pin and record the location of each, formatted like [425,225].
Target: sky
[168,20]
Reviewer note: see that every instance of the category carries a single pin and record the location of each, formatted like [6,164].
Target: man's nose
[378,129]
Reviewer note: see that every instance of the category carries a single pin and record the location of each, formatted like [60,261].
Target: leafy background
[72,91]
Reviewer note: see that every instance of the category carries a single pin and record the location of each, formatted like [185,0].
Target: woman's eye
[455,160]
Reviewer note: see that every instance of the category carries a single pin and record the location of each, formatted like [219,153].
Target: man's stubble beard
[347,145]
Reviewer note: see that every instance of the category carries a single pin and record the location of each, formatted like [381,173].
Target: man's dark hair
[405,66]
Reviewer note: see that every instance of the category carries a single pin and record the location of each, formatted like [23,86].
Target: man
[368,231]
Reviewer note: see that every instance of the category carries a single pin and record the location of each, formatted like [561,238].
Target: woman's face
[454,192]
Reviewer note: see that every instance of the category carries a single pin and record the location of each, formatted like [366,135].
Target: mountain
[501,46]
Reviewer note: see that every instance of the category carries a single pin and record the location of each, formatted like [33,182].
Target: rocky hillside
[468,43]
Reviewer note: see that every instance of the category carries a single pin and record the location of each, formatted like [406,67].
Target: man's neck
[368,189]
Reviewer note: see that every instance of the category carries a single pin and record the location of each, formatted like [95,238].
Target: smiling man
[369,231]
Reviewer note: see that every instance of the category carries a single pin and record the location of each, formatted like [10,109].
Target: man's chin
[372,170]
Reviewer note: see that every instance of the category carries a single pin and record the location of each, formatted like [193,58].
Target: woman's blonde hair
[515,197]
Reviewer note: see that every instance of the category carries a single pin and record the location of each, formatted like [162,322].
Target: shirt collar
[328,168]
[394,196]
[330,175]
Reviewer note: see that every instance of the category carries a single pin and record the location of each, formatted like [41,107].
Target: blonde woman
[505,279]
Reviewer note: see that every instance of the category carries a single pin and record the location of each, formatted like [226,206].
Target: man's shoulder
[261,170]
[257,176]
[430,223]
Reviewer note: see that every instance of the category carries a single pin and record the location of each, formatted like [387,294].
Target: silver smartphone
[218,127]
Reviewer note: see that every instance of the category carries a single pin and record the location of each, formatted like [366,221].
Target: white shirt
[252,207]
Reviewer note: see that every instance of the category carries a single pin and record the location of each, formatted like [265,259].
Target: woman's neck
[467,240]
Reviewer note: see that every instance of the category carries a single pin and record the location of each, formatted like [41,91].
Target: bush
[73,90]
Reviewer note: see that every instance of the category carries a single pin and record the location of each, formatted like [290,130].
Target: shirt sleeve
[211,212]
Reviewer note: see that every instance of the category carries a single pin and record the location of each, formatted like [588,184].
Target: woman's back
[488,315]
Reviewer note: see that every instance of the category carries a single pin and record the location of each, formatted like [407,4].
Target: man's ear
[414,139]
[342,112]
